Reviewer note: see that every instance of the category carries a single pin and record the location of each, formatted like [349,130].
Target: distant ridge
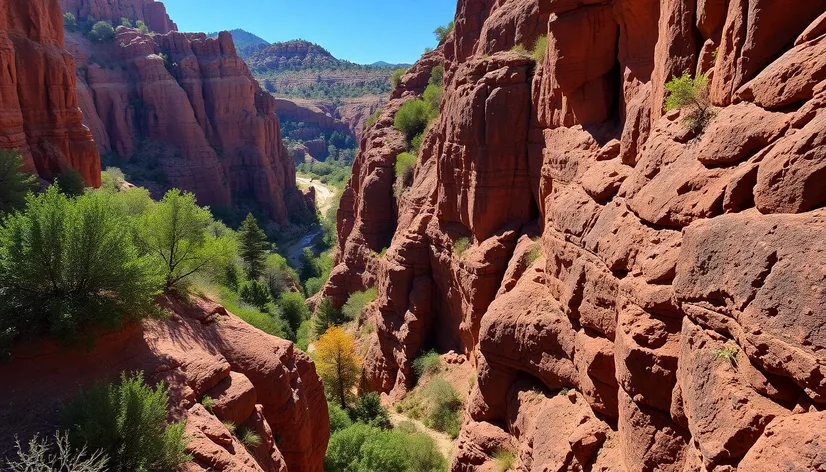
[246,43]
[387,64]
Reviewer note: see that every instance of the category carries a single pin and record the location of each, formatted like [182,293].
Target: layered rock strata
[568,235]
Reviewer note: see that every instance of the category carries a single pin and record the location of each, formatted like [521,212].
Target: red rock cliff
[674,281]
[188,104]
[149,11]
[257,381]
[39,112]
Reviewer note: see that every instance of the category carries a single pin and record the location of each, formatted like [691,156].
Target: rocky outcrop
[39,113]
[258,381]
[185,109]
[567,234]
[151,12]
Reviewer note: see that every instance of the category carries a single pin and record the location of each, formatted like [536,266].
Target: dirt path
[443,441]
[323,194]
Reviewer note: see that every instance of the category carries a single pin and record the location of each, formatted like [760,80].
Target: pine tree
[326,317]
[253,247]
[14,184]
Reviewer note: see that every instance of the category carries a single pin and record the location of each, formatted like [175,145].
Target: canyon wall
[39,112]
[635,295]
[257,381]
[151,12]
[185,108]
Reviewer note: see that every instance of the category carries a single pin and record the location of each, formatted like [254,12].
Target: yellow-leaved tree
[337,363]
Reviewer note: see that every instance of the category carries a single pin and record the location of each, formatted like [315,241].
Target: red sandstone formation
[187,104]
[151,12]
[258,381]
[39,112]
[679,285]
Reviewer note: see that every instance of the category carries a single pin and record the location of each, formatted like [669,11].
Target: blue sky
[361,31]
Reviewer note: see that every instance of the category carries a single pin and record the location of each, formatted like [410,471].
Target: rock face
[151,12]
[258,381]
[185,108]
[39,113]
[673,283]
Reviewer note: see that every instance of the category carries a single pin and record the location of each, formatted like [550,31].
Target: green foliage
[249,438]
[332,173]
[208,402]
[691,96]
[728,353]
[416,143]
[412,118]
[128,422]
[445,407]
[427,363]
[112,179]
[460,246]
[532,255]
[442,32]
[363,448]
[125,22]
[278,275]
[266,321]
[14,184]
[396,78]
[70,182]
[369,410]
[519,49]
[357,302]
[504,460]
[303,335]
[230,426]
[68,265]
[373,118]
[437,75]
[69,22]
[102,32]
[141,26]
[433,97]
[539,47]
[255,293]
[339,419]
[294,309]
[42,457]
[326,316]
[174,233]
[315,271]
[253,247]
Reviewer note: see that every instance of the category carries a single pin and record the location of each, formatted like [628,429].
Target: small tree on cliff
[326,316]
[101,32]
[253,248]
[690,95]
[337,363]
[14,184]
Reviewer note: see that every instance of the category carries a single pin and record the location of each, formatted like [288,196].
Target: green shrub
[519,49]
[396,78]
[504,459]
[69,22]
[357,302]
[141,26]
[369,410]
[70,182]
[41,456]
[373,118]
[128,422]
[256,294]
[532,255]
[279,276]
[208,402]
[690,95]
[102,31]
[14,184]
[363,448]
[77,255]
[728,353]
[445,407]
[427,363]
[125,22]
[433,97]
[442,32]
[230,426]
[416,143]
[539,47]
[304,334]
[461,246]
[412,118]
[294,309]
[249,438]
[266,322]
[423,453]
[112,179]
[437,75]
[313,285]
[339,419]
[405,166]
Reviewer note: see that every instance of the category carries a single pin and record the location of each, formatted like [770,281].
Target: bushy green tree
[441,32]
[690,94]
[141,26]
[69,22]
[364,448]
[326,316]
[369,410]
[70,264]
[433,97]
[253,247]
[357,302]
[174,233]
[14,183]
[70,182]
[255,293]
[125,22]
[309,269]
[339,419]
[412,118]
[128,422]
[102,31]
[278,275]
[294,309]
[437,75]
[396,77]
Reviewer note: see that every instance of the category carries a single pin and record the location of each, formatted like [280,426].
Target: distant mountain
[301,69]
[246,43]
[387,64]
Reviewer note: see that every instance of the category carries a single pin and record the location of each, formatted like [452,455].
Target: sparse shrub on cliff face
[101,32]
[412,118]
[396,78]
[42,457]
[405,165]
[69,22]
[357,302]
[441,32]
[691,96]
[249,438]
[538,53]
[437,75]
[125,22]
[433,96]
[504,459]
[373,118]
[68,265]
[460,246]
[141,26]
[14,184]
[427,363]
[128,422]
